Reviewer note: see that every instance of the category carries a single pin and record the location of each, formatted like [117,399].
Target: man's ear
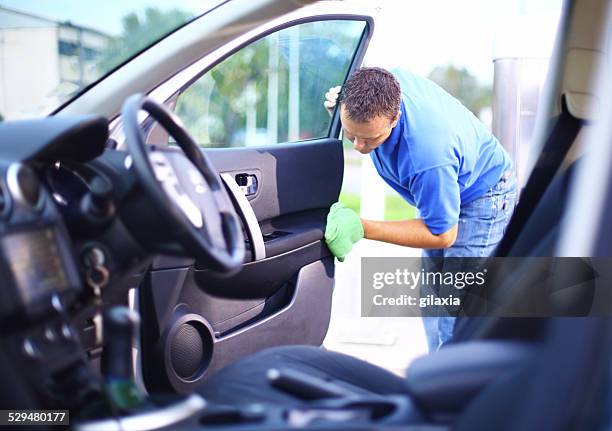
[396,119]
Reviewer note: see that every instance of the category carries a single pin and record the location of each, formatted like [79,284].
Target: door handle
[247,183]
[246,213]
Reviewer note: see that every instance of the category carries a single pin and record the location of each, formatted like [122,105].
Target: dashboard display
[35,262]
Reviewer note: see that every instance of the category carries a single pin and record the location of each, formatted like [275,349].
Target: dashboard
[80,225]
[59,248]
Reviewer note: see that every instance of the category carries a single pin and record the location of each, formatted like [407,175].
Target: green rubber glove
[343,230]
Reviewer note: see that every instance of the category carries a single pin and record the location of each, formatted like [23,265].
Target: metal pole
[294,83]
[272,88]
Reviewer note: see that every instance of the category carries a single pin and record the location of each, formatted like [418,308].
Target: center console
[40,281]
[193,413]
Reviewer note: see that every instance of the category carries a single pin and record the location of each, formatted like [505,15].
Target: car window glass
[273,89]
[53,51]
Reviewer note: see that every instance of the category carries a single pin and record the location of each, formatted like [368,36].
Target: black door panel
[199,322]
[290,232]
[262,278]
[187,348]
[293,177]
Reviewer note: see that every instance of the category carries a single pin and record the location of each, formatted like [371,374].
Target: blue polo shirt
[439,155]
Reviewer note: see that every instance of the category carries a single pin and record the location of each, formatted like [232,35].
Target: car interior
[131,253]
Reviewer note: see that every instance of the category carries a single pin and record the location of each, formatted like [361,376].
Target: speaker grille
[187,351]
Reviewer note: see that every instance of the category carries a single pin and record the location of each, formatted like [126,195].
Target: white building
[43,60]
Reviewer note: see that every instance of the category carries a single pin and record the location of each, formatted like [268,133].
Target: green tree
[214,108]
[463,85]
[221,122]
[138,33]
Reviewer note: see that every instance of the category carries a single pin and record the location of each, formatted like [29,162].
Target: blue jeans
[482,224]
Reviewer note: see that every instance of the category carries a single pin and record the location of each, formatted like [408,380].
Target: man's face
[368,135]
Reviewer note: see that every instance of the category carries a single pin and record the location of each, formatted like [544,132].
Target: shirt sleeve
[436,195]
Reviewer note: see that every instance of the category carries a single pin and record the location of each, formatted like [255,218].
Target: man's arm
[408,233]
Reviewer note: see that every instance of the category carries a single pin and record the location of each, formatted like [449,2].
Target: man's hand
[331,98]
[343,230]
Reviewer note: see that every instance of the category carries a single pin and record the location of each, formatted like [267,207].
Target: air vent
[24,186]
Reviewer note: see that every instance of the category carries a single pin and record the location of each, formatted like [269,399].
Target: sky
[106,17]
[416,34]
[419,34]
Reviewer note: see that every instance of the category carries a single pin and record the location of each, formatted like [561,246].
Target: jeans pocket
[475,222]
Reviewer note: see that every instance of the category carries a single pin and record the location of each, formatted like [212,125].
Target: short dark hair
[370,92]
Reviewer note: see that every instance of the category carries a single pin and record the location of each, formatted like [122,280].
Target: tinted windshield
[51,50]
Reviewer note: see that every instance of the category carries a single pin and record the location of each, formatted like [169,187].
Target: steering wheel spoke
[185,188]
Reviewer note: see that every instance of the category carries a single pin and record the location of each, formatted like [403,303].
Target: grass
[351,200]
[396,208]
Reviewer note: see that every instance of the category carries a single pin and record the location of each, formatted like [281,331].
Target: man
[439,157]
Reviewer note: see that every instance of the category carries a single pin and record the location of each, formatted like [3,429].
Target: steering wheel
[185,188]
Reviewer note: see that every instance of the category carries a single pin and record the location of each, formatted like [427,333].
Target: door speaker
[188,350]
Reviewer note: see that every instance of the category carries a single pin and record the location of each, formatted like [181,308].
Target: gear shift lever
[120,326]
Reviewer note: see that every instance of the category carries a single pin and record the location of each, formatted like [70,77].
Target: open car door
[256,108]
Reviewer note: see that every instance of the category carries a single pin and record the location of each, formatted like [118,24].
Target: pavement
[391,343]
